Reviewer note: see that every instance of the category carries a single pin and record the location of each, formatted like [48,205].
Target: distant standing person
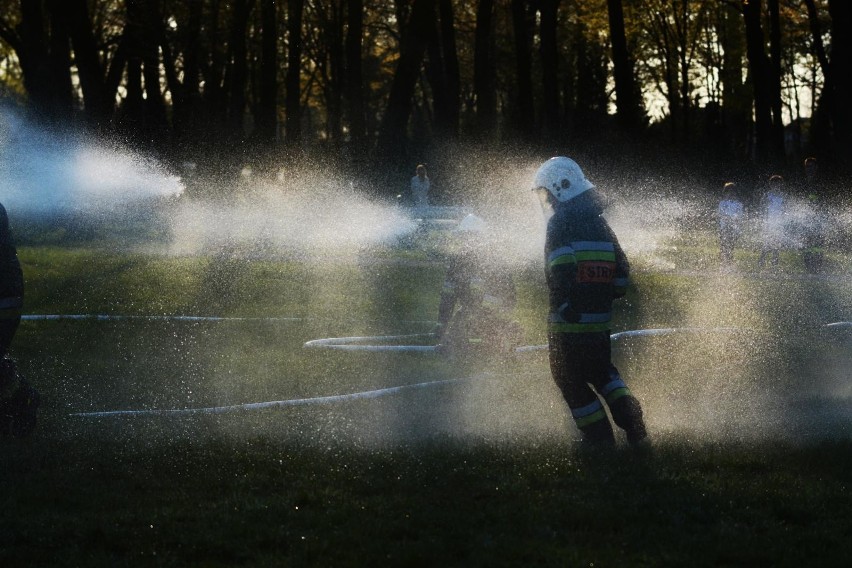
[586,270]
[18,400]
[420,186]
[730,218]
[773,221]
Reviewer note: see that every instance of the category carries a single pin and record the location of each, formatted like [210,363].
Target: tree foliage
[760,80]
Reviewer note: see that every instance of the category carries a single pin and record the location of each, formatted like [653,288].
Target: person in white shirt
[731,213]
[420,187]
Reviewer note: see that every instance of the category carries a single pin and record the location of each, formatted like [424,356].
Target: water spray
[45,174]
[377,343]
[357,344]
[319,400]
[114,317]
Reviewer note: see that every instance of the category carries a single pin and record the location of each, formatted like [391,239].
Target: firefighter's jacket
[585,266]
[11,277]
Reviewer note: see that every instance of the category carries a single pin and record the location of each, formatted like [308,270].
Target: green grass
[259,502]
[751,463]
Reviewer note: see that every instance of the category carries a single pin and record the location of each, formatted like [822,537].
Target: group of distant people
[778,229]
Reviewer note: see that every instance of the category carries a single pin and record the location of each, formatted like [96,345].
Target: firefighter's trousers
[582,368]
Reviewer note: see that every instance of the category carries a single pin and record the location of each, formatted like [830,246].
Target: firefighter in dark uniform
[477,298]
[18,400]
[586,270]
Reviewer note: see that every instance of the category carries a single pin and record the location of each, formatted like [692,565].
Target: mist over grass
[65,188]
[750,427]
[772,371]
[312,240]
[750,464]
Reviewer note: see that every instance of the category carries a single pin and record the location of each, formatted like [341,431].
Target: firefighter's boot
[627,414]
[598,434]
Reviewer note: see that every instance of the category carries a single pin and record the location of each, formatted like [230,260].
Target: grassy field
[751,463]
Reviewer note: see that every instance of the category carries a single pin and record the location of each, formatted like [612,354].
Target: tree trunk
[131,113]
[143,115]
[760,80]
[484,70]
[131,116]
[59,61]
[213,69]
[392,132]
[437,77]
[48,86]
[840,70]
[682,19]
[666,41]
[115,72]
[452,80]
[523,115]
[237,75]
[549,11]
[186,94]
[592,78]
[736,100]
[267,108]
[335,86]
[822,111]
[75,14]
[354,74]
[293,103]
[627,96]
[775,75]
[816,33]
[155,104]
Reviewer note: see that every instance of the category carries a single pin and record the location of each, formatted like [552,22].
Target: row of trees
[759,79]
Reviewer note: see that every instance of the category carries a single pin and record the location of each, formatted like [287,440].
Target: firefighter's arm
[562,275]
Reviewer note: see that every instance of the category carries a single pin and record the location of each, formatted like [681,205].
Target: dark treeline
[757,82]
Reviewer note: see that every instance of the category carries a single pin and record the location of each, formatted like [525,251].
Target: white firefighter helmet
[562,177]
[471,224]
